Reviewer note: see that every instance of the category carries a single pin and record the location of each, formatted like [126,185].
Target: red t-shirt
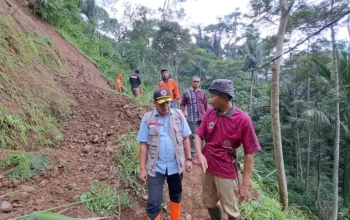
[220,132]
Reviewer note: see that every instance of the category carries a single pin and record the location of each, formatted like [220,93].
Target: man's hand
[242,193]
[143,175]
[185,114]
[202,161]
[189,166]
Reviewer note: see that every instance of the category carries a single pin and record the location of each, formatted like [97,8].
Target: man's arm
[142,137]
[250,146]
[205,102]
[143,158]
[139,80]
[183,103]
[198,144]
[247,173]
[176,90]
[201,158]
[143,155]
[248,168]
[186,143]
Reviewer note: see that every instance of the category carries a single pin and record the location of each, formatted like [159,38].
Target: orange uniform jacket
[171,85]
[118,85]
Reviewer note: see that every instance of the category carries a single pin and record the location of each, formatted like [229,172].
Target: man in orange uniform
[119,84]
[171,85]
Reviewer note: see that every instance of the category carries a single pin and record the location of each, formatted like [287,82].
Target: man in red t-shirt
[224,128]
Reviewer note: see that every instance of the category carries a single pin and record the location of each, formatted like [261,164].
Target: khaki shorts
[217,190]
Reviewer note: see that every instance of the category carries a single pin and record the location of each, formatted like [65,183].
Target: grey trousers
[194,127]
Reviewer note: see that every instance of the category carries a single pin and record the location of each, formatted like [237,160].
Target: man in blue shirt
[164,142]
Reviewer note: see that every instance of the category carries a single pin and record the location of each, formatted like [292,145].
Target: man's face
[217,101]
[164,108]
[165,75]
[196,82]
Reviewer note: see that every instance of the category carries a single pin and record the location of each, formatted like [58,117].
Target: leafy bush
[267,208]
[104,200]
[344,214]
[24,165]
[127,162]
[101,199]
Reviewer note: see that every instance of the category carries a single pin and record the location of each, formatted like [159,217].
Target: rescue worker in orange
[119,84]
[171,85]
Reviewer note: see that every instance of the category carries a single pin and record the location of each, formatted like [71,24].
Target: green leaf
[47,216]
[321,69]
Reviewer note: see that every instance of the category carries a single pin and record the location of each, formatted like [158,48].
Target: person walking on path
[171,85]
[196,102]
[164,145]
[224,128]
[119,84]
[135,82]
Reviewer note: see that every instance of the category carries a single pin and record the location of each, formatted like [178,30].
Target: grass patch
[24,165]
[266,207]
[104,200]
[32,107]
[22,48]
[127,163]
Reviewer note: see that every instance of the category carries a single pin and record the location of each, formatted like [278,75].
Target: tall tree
[275,114]
[173,43]
[90,8]
[337,124]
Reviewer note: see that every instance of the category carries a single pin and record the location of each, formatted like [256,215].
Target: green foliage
[268,208]
[47,216]
[51,216]
[126,162]
[344,214]
[171,41]
[22,165]
[104,200]
[31,112]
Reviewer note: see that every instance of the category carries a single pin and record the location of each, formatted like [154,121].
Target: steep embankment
[51,95]
[49,91]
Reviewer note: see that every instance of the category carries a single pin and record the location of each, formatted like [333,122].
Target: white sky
[205,12]
[202,11]
[198,11]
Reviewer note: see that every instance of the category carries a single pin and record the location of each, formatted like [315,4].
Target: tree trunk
[308,143]
[348,26]
[299,168]
[318,177]
[299,161]
[90,8]
[251,95]
[165,8]
[337,127]
[308,161]
[275,116]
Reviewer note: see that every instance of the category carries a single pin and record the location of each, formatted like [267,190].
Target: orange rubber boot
[157,218]
[175,210]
